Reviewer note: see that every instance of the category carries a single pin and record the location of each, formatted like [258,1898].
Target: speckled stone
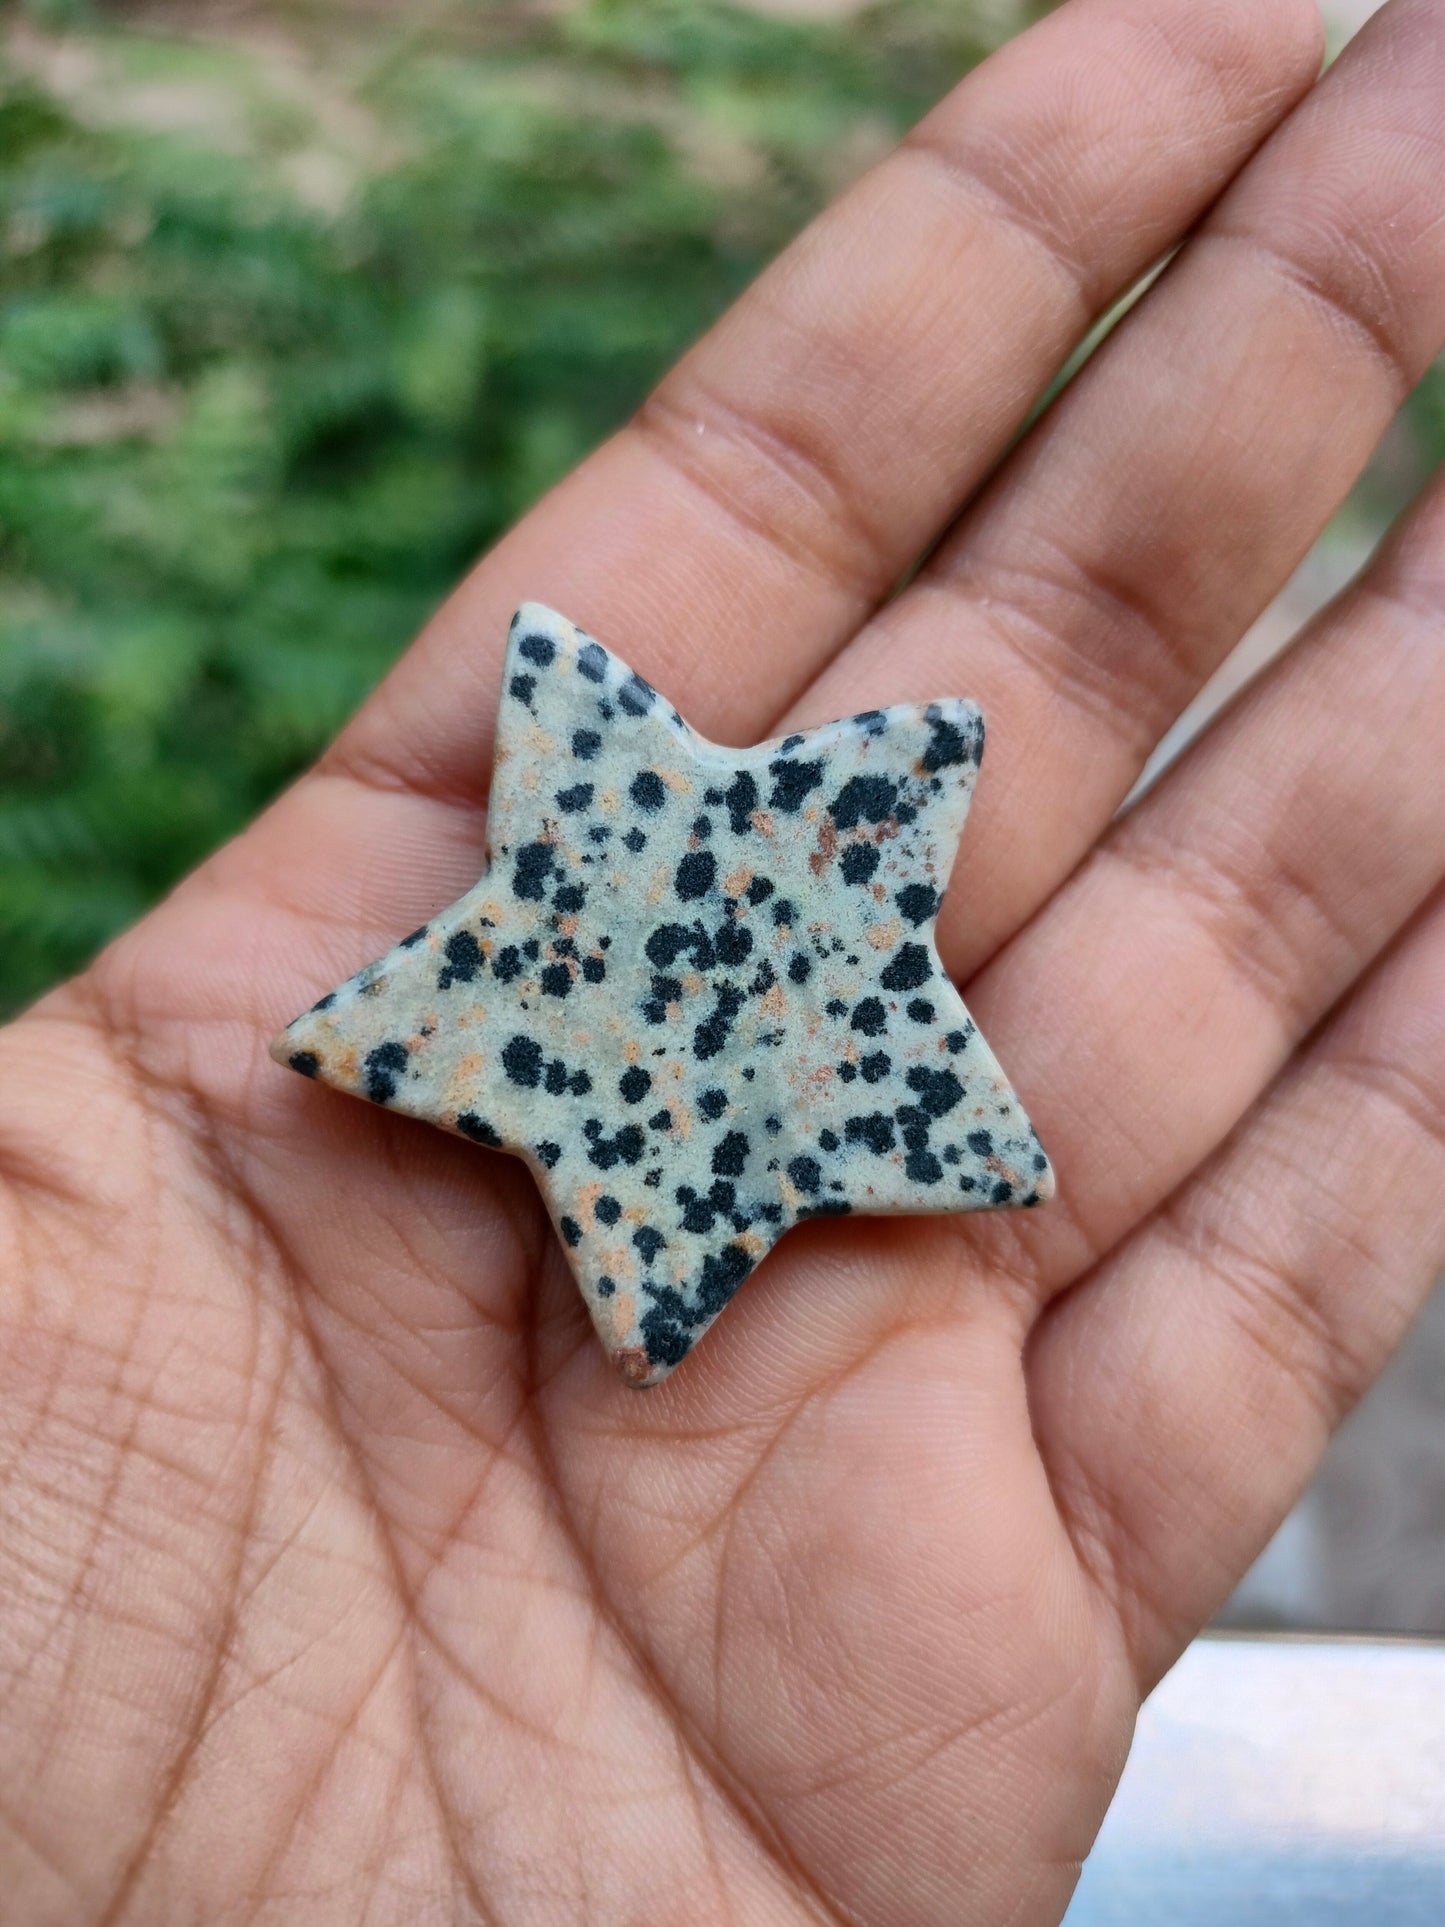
[696,989]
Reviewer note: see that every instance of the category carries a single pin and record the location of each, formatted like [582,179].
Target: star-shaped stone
[696,989]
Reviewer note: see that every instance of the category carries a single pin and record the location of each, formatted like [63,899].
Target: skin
[339,1577]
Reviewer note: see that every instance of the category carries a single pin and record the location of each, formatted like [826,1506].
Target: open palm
[339,1577]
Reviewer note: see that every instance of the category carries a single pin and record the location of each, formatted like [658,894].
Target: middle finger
[1167,498]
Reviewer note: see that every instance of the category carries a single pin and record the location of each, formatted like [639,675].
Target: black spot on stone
[858,863]
[835,1007]
[537,649]
[872,722]
[661,1120]
[733,944]
[800,967]
[947,745]
[585,744]
[305,1061]
[870,1017]
[507,964]
[938,1091]
[847,1072]
[592,661]
[409,943]
[381,1070]
[649,1242]
[695,874]
[741,799]
[1002,1192]
[554,1078]
[463,960]
[711,1035]
[635,841]
[876,1066]
[1041,1163]
[730,1154]
[478,1130]
[522,687]
[956,1040]
[784,913]
[918,902]
[826,1208]
[574,799]
[980,1143]
[534,866]
[636,696]
[667,1343]
[806,1174]
[875,1131]
[635,1083]
[863,799]
[593,969]
[522,1061]
[605,1286]
[579,1083]
[547,1153]
[571,1232]
[556,980]
[922,1167]
[722,1273]
[759,890]
[667,943]
[648,791]
[921,1011]
[325,1003]
[828,1140]
[712,1104]
[792,782]
[608,1209]
[702,828]
[909,968]
[625,1148]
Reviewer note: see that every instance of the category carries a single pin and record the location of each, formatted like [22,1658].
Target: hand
[339,1578]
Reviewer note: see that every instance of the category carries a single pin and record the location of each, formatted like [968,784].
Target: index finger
[808,449]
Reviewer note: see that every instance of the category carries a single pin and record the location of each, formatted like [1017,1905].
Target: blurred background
[301,304]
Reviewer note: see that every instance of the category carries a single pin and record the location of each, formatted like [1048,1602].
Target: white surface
[1298,1783]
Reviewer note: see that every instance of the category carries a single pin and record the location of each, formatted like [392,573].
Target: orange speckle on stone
[631,1051]
[762,822]
[774,1004]
[633,1365]
[675,781]
[884,936]
[608,799]
[736,881]
[587,1196]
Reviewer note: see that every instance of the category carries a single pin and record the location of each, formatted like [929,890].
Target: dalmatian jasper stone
[696,990]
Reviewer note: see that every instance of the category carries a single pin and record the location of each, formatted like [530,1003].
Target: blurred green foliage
[292,327]
[290,330]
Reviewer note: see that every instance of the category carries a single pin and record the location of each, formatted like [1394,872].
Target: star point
[696,989]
